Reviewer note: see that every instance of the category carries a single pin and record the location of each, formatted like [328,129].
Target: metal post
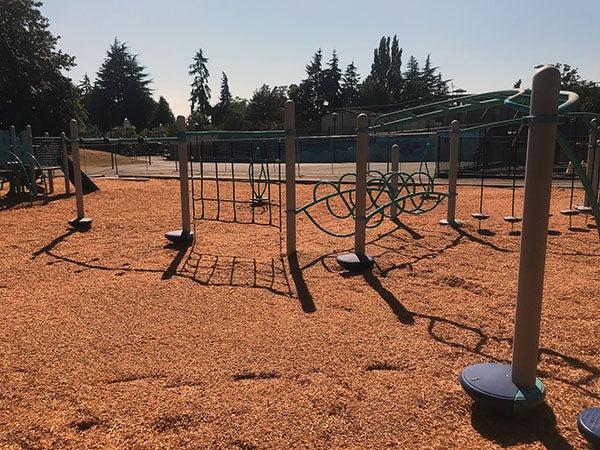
[538,186]
[452,175]
[32,168]
[65,162]
[290,176]
[591,161]
[185,235]
[359,259]
[515,387]
[395,157]
[80,222]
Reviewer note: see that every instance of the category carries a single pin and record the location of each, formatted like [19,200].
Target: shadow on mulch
[509,431]
[23,200]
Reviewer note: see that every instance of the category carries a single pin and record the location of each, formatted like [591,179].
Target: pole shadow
[171,270]
[403,314]
[306,300]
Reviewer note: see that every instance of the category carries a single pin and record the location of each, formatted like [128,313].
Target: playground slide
[87,183]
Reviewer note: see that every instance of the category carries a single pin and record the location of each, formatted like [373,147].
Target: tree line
[34,90]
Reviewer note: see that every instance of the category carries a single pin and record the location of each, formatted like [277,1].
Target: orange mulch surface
[112,339]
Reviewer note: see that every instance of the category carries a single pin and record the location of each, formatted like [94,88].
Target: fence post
[28,147]
[80,222]
[515,387]
[394,179]
[185,235]
[65,162]
[290,176]
[359,259]
[591,163]
[452,175]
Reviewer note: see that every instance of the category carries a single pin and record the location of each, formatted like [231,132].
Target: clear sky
[480,44]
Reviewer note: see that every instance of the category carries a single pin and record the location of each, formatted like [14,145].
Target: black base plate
[491,385]
[82,224]
[588,423]
[354,262]
[179,237]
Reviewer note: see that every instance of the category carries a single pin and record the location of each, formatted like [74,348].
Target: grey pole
[515,387]
[394,179]
[80,222]
[290,176]
[359,259]
[452,175]
[185,235]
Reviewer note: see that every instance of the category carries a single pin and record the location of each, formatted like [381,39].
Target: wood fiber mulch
[112,339]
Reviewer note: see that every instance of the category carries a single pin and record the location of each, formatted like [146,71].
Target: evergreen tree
[33,89]
[200,93]
[349,89]
[121,90]
[220,109]
[162,114]
[394,77]
[414,90]
[312,89]
[372,92]
[331,82]
[85,88]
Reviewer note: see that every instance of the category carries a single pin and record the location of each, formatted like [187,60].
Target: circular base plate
[354,262]
[491,384]
[455,223]
[588,423]
[480,216]
[83,224]
[512,219]
[179,237]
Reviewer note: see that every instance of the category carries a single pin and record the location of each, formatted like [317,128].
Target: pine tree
[312,95]
[200,93]
[350,84]
[121,90]
[413,82]
[162,114]
[220,109]
[331,82]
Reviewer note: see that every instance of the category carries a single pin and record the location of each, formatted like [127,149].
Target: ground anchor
[354,262]
[491,385]
[180,236]
[81,224]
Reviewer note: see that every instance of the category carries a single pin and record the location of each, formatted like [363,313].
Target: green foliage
[162,115]
[33,89]
[373,93]
[200,93]
[349,92]
[220,109]
[121,90]
[234,118]
[588,91]
[331,82]
[265,110]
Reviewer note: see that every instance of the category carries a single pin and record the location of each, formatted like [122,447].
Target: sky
[481,45]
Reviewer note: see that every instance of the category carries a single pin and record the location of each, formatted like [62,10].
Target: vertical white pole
[290,176]
[394,179]
[591,160]
[182,152]
[362,148]
[453,174]
[77,168]
[65,162]
[538,186]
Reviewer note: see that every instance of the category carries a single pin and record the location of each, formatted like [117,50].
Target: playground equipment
[515,387]
[185,235]
[513,219]
[80,222]
[18,165]
[452,175]
[588,423]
